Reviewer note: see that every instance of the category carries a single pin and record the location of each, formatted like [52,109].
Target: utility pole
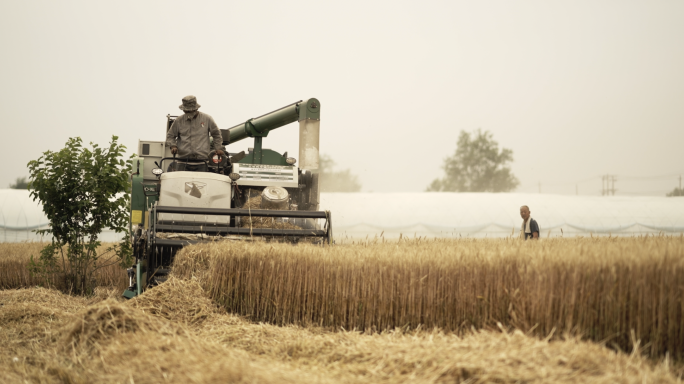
[603,185]
[608,185]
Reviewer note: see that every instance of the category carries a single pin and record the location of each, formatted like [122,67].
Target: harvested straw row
[14,272]
[59,341]
[174,334]
[622,291]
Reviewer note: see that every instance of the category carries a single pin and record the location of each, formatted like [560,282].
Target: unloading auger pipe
[262,125]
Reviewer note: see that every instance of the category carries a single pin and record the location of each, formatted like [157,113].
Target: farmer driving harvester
[172,210]
[188,138]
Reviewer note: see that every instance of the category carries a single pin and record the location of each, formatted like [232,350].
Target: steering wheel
[218,162]
[215,159]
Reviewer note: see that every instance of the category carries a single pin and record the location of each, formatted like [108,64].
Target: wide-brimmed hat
[189,104]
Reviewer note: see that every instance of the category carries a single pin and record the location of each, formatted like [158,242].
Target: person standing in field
[529,226]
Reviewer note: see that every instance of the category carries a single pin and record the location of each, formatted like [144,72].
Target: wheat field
[14,273]
[619,291]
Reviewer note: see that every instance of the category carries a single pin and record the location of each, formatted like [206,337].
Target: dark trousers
[179,166]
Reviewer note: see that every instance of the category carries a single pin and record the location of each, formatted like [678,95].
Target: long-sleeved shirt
[191,135]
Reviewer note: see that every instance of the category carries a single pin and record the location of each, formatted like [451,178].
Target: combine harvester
[172,209]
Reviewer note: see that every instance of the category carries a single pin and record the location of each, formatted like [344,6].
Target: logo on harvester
[194,188]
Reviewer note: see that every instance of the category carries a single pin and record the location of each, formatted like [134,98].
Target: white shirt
[525,227]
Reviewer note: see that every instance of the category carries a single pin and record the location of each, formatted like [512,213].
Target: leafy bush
[82,191]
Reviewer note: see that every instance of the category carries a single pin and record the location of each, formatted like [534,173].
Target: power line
[649,193]
[663,177]
[561,183]
[608,183]
[592,178]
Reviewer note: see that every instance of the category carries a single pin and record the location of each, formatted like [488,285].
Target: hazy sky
[576,89]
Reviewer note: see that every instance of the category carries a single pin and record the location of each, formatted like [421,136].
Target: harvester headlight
[157,171]
[234,176]
[291,160]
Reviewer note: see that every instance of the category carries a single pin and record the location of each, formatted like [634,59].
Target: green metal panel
[129,294]
[152,196]
[310,109]
[140,203]
[257,152]
[268,157]
[137,192]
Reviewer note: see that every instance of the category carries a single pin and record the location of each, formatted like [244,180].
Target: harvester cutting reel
[156,247]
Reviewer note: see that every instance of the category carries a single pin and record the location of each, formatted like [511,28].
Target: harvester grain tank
[257,195]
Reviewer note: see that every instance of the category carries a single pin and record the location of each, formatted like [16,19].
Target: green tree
[336,181]
[82,191]
[477,166]
[676,192]
[20,183]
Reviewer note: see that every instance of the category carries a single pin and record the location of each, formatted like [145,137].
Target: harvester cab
[257,195]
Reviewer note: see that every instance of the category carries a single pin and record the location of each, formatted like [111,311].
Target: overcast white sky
[576,89]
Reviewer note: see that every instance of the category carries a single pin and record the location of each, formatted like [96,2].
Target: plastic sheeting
[498,214]
[19,212]
[437,214]
[20,216]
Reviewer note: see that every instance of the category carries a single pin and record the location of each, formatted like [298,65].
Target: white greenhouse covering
[20,216]
[437,214]
[498,214]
